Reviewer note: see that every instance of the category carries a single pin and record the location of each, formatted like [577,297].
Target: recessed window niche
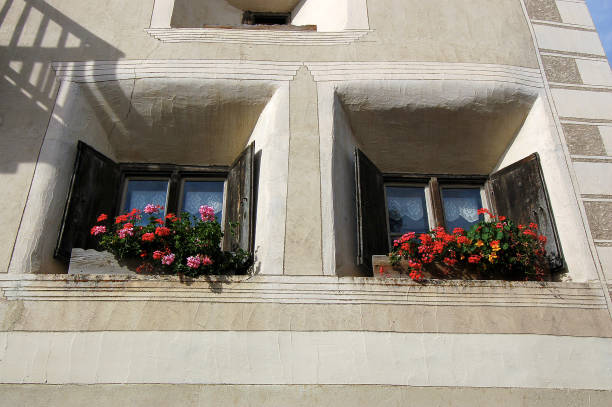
[289,21]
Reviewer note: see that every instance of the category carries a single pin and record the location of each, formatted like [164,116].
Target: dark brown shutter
[94,189]
[519,192]
[239,202]
[371,212]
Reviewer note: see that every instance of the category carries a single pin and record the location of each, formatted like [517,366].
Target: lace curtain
[197,193]
[465,207]
[412,207]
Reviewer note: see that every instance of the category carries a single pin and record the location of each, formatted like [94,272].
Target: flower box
[495,248]
[170,244]
[382,267]
[94,262]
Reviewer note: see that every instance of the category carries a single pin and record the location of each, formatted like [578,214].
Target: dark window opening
[257,18]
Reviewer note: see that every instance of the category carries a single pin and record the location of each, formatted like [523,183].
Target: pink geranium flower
[96,230]
[126,231]
[151,209]
[207,213]
[168,259]
[193,262]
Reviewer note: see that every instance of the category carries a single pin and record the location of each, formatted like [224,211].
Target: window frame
[176,176]
[433,184]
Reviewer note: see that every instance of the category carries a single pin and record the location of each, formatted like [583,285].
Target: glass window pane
[407,210]
[197,193]
[142,192]
[460,207]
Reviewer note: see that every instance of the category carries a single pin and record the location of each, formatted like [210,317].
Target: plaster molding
[99,71]
[564,25]
[557,120]
[572,86]
[256,37]
[303,290]
[347,71]
[591,158]
[575,55]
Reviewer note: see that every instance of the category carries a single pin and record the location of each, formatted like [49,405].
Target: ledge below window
[256,36]
[301,290]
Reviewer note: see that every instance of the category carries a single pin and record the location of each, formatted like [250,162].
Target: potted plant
[169,244]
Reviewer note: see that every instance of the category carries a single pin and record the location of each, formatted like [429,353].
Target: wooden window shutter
[94,189]
[519,192]
[239,202]
[373,238]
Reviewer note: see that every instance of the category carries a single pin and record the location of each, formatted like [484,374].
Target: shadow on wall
[40,35]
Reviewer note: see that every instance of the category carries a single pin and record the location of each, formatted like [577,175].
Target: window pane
[460,207]
[407,210]
[197,193]
[142,192]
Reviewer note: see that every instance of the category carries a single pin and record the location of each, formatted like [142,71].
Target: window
[99,184]
[259,18]
[178,189]
[414,206]
[389,205]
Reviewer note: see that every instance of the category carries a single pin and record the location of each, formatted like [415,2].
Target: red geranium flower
[102,217]
[474,258]
[162,231]
[148,237]
[482,211]
[121,219]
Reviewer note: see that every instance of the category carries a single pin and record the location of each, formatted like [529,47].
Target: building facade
[462,88]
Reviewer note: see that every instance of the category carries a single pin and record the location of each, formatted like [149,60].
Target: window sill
[255,36]
[265,27]
[280,289]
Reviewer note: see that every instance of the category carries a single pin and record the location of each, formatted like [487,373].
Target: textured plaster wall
[187,13]
[538,134]
[304,133]
[299,395]
[524,361]
[181,121]
[303,229]
[438,127]
[34,33]
[331,15]
[73,119]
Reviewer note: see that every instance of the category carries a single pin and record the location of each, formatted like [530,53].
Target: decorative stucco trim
[591,159]
[592,88]
[582,120]
[303,290]
[568,160]
[578,55]
[347,71]
[297,395]
[255,37]
[597,198]
[99,71]
[564,25]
